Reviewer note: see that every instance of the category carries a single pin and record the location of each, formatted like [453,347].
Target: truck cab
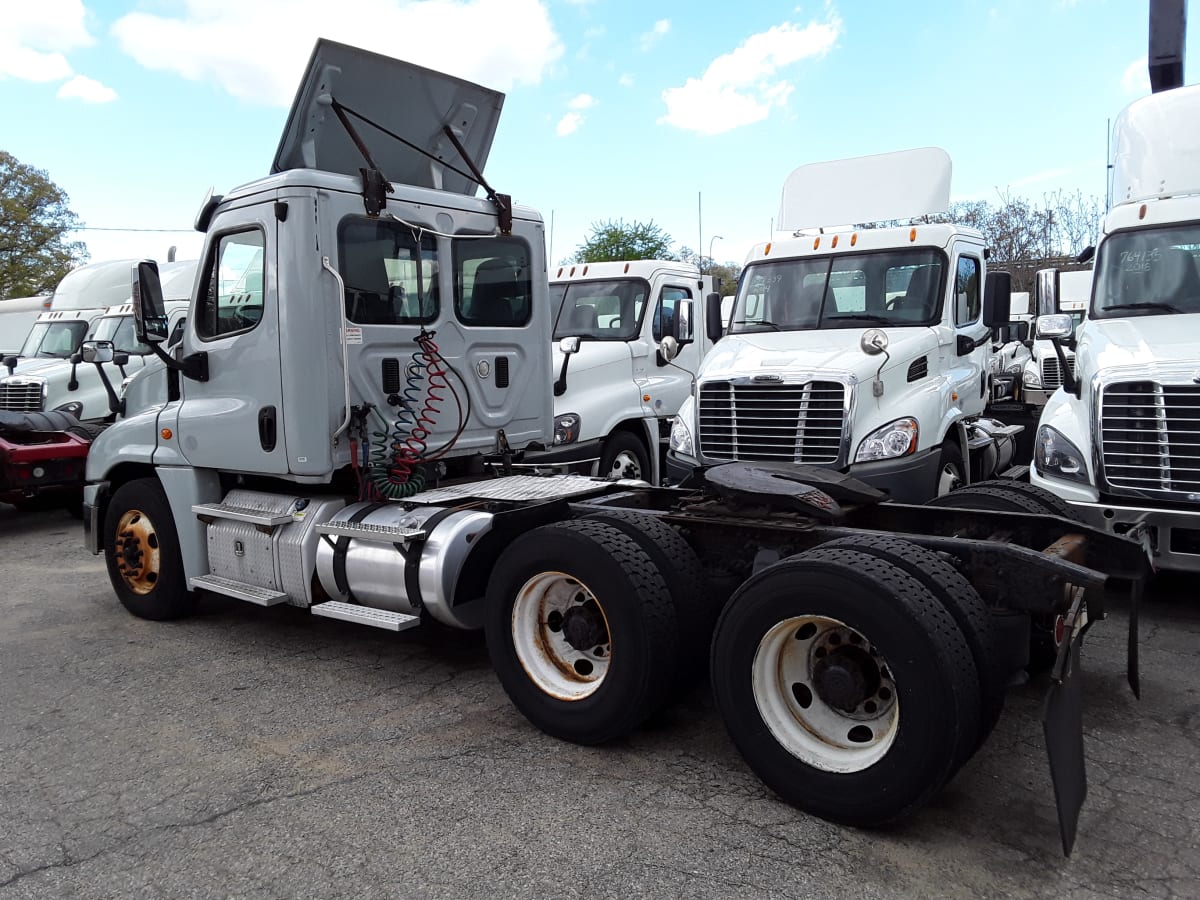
[1120,441]
[866,350]
[615,391]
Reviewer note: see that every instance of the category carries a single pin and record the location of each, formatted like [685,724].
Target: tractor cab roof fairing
[406,100]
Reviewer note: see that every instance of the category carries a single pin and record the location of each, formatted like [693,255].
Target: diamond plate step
[365,615]
[242,591]
[384,534]
[242,514]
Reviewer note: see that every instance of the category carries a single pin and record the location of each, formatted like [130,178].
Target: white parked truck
[1055,292]
[867,351]
[49,382]
[17,315]
[615,392]
[1120,441]
[336,418]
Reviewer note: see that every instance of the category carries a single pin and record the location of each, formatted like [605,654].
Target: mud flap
[1132,672]
[1062,722]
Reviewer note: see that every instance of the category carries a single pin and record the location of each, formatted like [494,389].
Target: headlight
[566,428]
[894,439]
[74,408]
[681,438]
[1055,456]
[1031,377]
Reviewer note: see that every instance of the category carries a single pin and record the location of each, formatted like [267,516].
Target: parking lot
[269,753]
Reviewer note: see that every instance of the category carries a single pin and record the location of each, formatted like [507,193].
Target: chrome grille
[800,423]
[1052,371]
[1150,437]
[20,396]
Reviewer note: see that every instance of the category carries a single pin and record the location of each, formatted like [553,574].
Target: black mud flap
[1062,722]
[1132,670]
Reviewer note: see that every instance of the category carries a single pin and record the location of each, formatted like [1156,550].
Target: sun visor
[406,100]
[865,189]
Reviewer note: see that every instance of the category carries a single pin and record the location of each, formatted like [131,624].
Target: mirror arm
[73,384]
[1069,381]
[194,367]
[115,406]
[560,386]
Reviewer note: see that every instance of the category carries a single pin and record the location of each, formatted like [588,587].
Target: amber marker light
[834,244]
[816,243]
[645,398]
[1142,212]
[766,250]
[912,234]
[854,239]
[167,434]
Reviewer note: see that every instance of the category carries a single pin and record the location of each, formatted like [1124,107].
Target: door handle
[267,428]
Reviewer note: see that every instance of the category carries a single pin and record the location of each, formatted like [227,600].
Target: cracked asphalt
[270,753]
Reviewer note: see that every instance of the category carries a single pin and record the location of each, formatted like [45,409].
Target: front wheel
[846,685]
[141,549]
[951,469]
[624,456]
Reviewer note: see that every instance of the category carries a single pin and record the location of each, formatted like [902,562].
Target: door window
[492,282]
[967,304]
[391,276]
[232,299]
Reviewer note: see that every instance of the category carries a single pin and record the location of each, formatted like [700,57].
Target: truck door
[233,421]
[969,370]
[669,385]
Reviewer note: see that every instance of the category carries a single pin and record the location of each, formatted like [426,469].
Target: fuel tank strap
[342,545]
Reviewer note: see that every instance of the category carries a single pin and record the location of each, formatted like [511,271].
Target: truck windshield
[54,340]
[890,288]
[608,310]
[1148,272]
[120,330]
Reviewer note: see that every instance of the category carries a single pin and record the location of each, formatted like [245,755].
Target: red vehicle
[42,457]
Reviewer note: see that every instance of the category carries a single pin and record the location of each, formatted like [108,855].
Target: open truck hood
[407,100]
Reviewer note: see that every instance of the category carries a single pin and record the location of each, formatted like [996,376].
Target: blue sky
[615,109]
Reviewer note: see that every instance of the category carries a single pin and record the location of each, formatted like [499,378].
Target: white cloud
[626,80]
[498,43]
[568,124]
[36,36]
[655,34]
[742,86]
[1136,79]
[583,101]
[87,89]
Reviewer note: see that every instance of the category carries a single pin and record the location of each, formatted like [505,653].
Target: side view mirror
[997,299]
[1019,331]
[713,325]
[10,363]
[683,323]
[668,348]
[121,359]
[1045,292]
[97,352]
[149,312]
[569,345]
[75,358]
[1086,253]
[1055,326]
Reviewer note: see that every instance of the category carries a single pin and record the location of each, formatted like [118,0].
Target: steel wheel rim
[626,465]
[948,479]
[552,609]
[137,551]
[792,691]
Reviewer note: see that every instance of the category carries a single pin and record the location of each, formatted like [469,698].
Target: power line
[152,230]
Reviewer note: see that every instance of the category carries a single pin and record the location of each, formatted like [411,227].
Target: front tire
[581,631]
[141,549]
[624,456]
[845,684]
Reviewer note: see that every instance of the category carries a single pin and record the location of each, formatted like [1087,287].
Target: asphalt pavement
[269,753]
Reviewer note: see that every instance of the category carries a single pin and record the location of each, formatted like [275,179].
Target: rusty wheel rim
[137,552]
[561,636]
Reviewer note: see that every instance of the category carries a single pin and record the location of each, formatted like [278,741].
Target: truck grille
[21,396]
[1052,371]
[1150,436]
[772,422]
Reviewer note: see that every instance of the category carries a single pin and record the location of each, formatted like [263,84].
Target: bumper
[910,479]
[1036,396]
[677,468]
[1173,534]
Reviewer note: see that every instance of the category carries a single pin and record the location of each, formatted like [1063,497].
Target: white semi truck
[47,381]
[868,351]
[364,352]
[615,391]
[1055,293]
[1120,441]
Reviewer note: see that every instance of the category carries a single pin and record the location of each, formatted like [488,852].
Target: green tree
[726,273]
[35,222]
[616,241]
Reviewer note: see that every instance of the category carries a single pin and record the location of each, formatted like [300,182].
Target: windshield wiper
[858,317]
[1146,304]
[764,322]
